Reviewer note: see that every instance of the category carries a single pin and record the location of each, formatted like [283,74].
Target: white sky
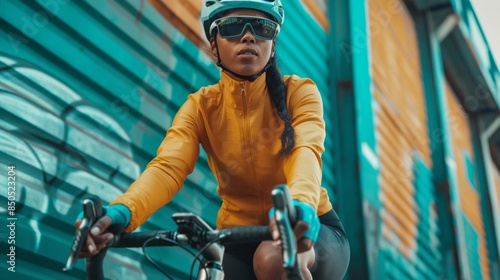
[487,12]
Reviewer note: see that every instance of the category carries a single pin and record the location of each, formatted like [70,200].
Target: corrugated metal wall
[87,90]
[397,175]
[468,216]
[409,243]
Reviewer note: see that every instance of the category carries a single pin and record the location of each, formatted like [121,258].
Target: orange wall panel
[469,197]
[400,118]
[185,16]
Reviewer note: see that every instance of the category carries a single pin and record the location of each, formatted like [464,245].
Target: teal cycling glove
[307,214]
[119,214]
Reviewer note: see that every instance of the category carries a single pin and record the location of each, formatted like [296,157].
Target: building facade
[412,107]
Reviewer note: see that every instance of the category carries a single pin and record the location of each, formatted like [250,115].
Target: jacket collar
[238,94]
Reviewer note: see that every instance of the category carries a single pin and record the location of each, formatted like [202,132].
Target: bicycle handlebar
[165,238]
[162,238]
[195,232]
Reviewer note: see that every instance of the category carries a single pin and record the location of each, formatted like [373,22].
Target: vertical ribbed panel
[425,258]
[409,248]
[472,245]
[469,197]
[428,257]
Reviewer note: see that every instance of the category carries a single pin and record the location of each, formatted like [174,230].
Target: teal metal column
[357,161]
[442,155]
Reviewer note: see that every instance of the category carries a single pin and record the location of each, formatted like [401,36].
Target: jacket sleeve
[166,173]
[303,167]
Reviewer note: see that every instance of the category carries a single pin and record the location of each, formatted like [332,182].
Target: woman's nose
[247,36]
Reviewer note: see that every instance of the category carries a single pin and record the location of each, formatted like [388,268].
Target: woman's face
[244,55]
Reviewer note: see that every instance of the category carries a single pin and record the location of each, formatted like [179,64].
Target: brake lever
[285,215]
[286,218]
[92,211]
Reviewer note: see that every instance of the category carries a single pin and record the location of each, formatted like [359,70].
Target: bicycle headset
[215,9]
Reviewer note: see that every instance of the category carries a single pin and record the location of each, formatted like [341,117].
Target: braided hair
[277,91]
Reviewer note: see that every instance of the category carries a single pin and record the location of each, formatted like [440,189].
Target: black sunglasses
[235,26]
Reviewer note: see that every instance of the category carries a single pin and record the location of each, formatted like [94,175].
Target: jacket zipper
[246,139]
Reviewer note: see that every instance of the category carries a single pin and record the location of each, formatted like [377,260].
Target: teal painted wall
[87,92]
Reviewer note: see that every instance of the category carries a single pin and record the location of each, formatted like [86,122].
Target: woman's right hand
[97,238]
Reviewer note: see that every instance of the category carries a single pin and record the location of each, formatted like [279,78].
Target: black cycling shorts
[331,248]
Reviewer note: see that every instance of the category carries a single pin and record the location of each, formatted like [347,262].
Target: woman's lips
[248,52]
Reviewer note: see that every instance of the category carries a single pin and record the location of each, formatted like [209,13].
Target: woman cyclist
[259,129]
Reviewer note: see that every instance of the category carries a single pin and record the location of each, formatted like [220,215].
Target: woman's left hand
[306,228]
[303,243]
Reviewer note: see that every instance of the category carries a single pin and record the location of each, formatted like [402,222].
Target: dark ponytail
[277,91]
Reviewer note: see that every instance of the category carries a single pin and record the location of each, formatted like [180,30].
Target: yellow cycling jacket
[237,125]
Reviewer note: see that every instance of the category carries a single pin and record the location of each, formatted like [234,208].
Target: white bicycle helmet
[212,10]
